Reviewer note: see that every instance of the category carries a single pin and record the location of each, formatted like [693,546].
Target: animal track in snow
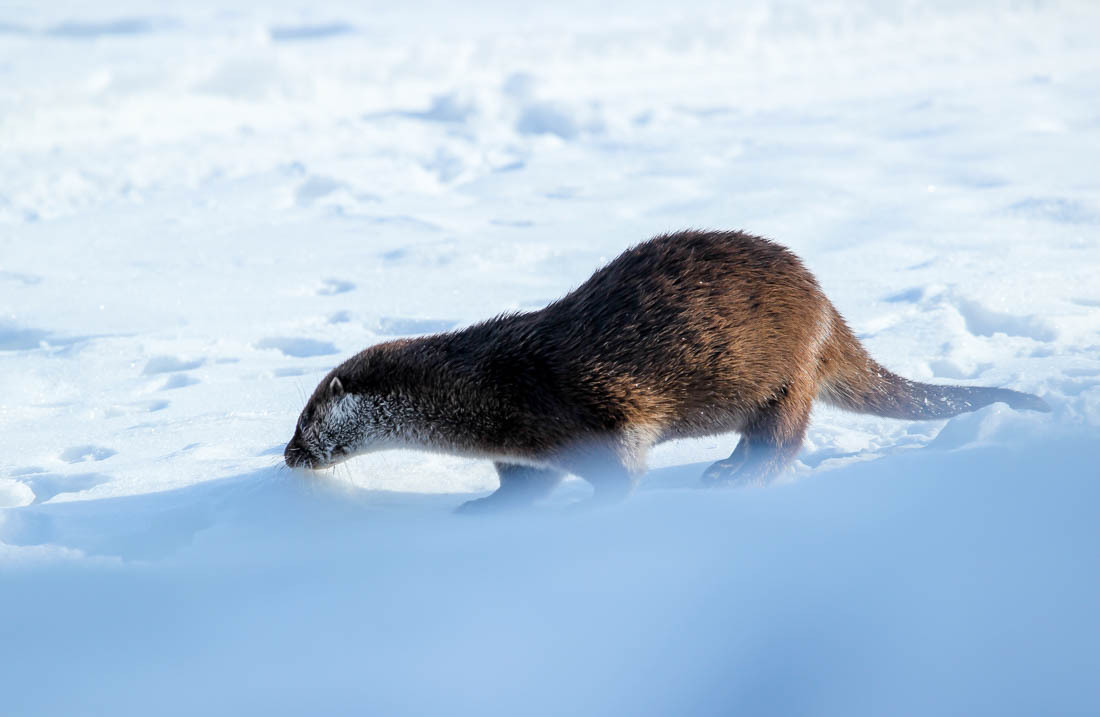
[136,407]
[18,338]
[438,254]
[291,33]
[1074,386]
[20,278]
[446,108]
[946,368]
[47,485]
[547,118]
[982,321]
[1056,209]
[178,380]
[297,347]
[314,188]
[79,29]
[331,287]
[318,189]
[170,364]
[77,454]
[912,296]
[397,326]
[14,338]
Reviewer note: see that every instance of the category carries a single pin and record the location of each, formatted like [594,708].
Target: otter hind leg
[769,442]
[611,481]
[520,486]
[611,475]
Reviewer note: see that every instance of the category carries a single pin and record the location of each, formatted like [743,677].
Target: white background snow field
[206,206]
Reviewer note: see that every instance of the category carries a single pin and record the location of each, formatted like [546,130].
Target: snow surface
[203,209]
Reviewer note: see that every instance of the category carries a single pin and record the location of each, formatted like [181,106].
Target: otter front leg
[769,443]
[609,476]
[519,487]
[755,461]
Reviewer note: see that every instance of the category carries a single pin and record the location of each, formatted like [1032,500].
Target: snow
[202,210]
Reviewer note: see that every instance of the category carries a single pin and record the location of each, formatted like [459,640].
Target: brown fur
[688,334]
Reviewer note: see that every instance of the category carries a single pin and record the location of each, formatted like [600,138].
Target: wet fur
[687,334]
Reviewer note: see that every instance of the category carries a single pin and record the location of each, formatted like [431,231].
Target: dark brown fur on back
[688,334]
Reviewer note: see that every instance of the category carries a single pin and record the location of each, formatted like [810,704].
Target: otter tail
[852,380]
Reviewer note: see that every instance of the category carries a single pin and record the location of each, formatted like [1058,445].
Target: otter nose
[295,456]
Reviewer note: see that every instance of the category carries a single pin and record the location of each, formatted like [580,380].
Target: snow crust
[204,209]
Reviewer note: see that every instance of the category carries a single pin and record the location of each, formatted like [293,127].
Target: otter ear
[335,388]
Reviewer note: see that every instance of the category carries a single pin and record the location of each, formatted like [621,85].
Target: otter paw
[738,474]
[723,474]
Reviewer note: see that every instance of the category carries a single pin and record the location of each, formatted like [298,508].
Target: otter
[689,334]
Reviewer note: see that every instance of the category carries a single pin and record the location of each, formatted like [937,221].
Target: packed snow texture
[204,208]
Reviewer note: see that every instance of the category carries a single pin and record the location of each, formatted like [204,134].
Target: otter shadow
[272,501]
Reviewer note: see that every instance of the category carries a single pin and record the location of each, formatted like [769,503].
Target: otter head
[331,428]
[365,404]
